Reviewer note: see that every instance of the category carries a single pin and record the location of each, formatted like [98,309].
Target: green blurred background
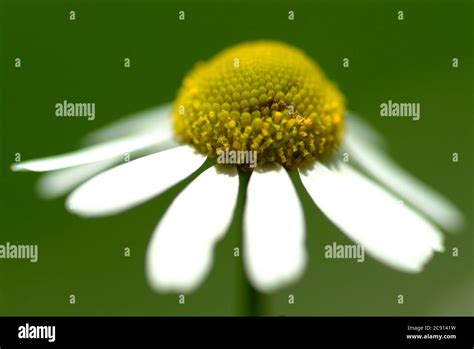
[82,60]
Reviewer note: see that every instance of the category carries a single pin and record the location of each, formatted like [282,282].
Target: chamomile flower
[270,98]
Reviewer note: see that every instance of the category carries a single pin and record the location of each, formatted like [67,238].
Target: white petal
[357,125]
[60,182]
[274,230]
[155,120]
[180,252]
[133,183]
[372,217]
[432,204]
[90,154]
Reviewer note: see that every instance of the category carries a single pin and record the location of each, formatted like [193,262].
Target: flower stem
[255,301]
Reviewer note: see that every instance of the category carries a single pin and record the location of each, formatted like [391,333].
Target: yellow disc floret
[266,97]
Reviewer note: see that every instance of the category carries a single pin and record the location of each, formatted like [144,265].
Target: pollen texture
[267,97]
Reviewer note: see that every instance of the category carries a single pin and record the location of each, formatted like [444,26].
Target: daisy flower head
[264,108]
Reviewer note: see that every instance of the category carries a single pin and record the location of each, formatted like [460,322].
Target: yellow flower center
[263,97]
